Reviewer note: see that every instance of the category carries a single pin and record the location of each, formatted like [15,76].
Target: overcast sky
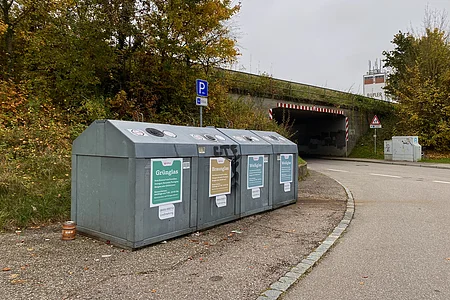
[323,42]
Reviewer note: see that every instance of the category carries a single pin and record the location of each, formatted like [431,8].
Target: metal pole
[375,140]
[346,148]
[201,116]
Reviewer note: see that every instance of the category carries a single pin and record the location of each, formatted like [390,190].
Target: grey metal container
[284,168]
[218,156]
[134,183]
[253,186]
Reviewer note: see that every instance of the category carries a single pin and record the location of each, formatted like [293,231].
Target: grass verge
[436,157]
[365,147]
[34,192]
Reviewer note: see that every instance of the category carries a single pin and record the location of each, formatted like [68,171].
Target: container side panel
[90,141]
[73,192]
[131,203]
[88,192]
[115,204]
[194,192]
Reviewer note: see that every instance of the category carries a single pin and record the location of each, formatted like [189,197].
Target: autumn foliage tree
[181,41]
[91,53]
[421,83]
[65,63]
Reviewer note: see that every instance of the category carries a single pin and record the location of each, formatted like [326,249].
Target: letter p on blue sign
[202,87]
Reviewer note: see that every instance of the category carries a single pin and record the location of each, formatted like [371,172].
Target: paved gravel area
[238,260]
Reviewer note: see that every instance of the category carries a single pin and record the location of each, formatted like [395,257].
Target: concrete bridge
[325,121]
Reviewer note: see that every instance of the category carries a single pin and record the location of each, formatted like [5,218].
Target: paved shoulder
[238,260]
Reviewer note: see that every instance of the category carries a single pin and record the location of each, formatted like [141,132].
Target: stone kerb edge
[295,273]
[302,171]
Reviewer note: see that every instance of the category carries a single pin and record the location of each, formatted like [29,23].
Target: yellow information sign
[219,176]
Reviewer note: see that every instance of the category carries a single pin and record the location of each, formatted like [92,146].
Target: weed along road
[398,244]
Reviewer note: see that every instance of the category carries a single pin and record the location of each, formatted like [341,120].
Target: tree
[69,58]
[12,15]
[130,56]
[181,41]
[421,83]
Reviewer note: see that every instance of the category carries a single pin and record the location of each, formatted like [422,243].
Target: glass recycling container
[253,186]
[284,168]
[218,158]
[134,183]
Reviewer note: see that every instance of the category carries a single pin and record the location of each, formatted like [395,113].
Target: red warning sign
[375,122]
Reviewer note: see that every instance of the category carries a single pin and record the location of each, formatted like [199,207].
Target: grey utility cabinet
[134,183]
[284,168]
[253,171]
[217,159]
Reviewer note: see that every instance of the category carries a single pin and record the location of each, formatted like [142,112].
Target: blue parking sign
[202,87]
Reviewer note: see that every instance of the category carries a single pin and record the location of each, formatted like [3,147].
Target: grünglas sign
[166,181]
[286,168]
[255,171]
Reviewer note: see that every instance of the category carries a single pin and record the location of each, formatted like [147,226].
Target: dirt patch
[237,260]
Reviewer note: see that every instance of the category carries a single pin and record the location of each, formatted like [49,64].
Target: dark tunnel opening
[315,133]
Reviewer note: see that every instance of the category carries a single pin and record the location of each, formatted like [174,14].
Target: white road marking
[334,170]
[438,181]
[384,175]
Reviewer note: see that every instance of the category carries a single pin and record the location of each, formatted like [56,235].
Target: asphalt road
[398,244]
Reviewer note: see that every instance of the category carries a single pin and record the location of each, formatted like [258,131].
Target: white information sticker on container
[186,165]
[287,187]
[166,211]
[221,200]
[256,193]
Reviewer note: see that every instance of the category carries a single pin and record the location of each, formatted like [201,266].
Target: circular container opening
[155,132]
[170,133]
[210,137]
[219,137]
[274,138]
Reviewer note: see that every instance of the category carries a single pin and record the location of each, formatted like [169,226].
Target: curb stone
[302,171]
[277,288]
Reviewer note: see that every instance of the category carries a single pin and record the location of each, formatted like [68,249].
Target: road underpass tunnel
[316,133]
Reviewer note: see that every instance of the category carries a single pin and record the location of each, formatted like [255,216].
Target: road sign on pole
[201,101]
[202,87]
[375,122]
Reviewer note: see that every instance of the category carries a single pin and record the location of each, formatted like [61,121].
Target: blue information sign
[286,168]
[255,171]
[201,87]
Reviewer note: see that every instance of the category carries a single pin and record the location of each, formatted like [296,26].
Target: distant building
[374,82]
